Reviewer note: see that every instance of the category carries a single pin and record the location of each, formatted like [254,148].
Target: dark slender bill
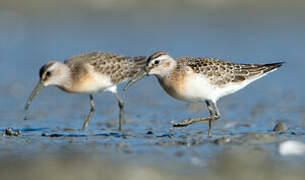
[34,93]
[137,77]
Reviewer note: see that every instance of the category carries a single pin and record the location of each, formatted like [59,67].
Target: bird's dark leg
[92,110]
[214,115]
[121,106]
[190,121]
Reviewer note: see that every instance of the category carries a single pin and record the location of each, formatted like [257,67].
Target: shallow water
[33,33]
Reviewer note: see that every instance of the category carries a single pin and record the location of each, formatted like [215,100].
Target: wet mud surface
[174,154]
[182,142]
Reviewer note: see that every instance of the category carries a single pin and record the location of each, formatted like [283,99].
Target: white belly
[197,88]
[98,83]
[90,84]
[192,89]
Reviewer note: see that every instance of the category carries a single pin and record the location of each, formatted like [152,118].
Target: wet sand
[68,154]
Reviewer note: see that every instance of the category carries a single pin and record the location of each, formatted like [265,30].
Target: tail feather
[272,66]
[250,71]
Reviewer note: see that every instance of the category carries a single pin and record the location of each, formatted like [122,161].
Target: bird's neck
[65,81]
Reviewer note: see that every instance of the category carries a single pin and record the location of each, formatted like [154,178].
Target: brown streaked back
[220,72]
[118,67]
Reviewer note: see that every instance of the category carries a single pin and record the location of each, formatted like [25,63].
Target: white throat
[167,67]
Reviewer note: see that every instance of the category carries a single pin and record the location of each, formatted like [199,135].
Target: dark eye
[156,62]
[48,74]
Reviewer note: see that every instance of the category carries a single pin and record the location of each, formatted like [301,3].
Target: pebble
[122,145]
[292,148]
[222,141]
[280,127]
[149,132]
[11,132]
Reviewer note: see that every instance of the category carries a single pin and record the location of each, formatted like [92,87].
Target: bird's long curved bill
[34,93]
[140,75]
